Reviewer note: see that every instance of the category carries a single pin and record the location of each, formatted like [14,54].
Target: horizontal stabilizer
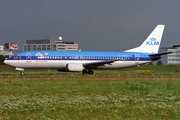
[161,54]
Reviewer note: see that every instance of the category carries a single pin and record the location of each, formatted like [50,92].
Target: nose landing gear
[22,73]
[20,69]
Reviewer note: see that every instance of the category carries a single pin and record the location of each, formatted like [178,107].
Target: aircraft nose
[6,62]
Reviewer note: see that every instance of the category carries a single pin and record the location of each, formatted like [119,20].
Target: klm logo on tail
[152,41]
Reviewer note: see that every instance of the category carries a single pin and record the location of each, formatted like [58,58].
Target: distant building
[163,57]
[5,53]
[173,58]
[1,48]
[50,45]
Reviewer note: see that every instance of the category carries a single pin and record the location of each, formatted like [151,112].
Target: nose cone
[6,62]
[9,62]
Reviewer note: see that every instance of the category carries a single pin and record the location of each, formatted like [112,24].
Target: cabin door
[28,57]
[137,58]
[79,58]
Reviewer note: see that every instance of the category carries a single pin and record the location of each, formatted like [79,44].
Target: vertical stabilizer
[152,42]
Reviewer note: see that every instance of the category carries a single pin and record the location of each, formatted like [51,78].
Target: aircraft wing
[96,64]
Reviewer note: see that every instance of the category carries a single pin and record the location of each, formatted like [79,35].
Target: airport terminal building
[49,45]
[173,58]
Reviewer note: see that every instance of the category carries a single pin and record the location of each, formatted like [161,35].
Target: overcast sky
[96,25]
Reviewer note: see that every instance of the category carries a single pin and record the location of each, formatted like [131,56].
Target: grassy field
[109,94]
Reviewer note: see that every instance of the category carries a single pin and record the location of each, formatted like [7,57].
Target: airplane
[85,61]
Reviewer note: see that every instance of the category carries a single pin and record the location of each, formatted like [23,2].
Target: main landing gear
[87,72]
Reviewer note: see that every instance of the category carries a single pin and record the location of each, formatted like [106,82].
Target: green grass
[109,94]
[158,69]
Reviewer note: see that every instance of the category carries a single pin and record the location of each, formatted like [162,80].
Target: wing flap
[96,64]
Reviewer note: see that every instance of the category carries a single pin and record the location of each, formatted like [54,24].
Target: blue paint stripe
[89,55]
[90,58]
[82,53]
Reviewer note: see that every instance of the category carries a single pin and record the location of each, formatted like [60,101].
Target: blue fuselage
[59,59]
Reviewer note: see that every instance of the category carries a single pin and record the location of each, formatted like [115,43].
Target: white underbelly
[61,64]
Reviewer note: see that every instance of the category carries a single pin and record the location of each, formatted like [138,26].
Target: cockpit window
[15,56]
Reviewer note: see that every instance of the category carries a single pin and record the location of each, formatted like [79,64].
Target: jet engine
[74,67]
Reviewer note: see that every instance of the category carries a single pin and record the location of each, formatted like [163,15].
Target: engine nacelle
[74,67]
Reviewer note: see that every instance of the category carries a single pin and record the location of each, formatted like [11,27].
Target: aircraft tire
[22,73]
[84,71]
[90,72]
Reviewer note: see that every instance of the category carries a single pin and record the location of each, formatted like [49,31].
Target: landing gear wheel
[22,73]
[84,71]
[90,72]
